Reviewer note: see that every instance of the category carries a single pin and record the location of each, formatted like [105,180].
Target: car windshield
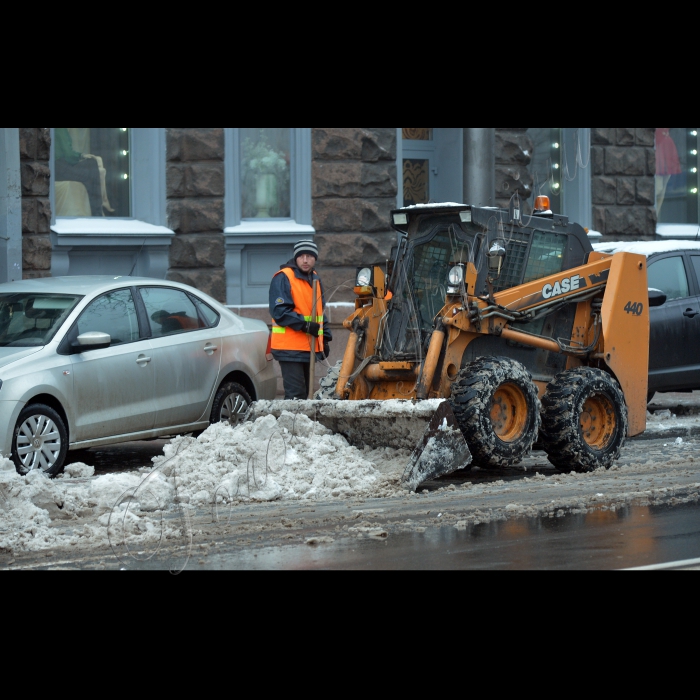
[32,320]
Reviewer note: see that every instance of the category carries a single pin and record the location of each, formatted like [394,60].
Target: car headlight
[364,277]
[456,276]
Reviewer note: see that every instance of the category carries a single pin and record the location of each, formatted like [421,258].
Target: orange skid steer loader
[488,333]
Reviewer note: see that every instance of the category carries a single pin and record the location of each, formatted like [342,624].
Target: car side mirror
[656,298]
[94,340]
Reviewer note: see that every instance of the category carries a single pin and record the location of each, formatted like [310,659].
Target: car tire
[40,440]
[495,402]
[584,424]
[230,404]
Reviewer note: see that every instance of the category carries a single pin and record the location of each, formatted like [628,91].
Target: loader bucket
[442,450]
[428,427]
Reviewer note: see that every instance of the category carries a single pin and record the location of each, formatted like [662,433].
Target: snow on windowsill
[102,226]
[686,231]
[269,227]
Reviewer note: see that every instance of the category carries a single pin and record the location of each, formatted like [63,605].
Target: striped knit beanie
[308,247]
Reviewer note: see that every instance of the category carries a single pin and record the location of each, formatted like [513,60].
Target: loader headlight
[456,276]
[364,277]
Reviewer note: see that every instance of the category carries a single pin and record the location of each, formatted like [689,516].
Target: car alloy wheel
[40,441]
[233,409]
[230,404]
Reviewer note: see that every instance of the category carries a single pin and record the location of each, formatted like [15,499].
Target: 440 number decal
[636,309]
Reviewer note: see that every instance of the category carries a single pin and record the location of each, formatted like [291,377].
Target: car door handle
[691,313]
[210,349]
[142,360]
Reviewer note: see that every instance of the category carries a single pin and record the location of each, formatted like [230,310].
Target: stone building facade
[195,209]
[34,151]
[355,181]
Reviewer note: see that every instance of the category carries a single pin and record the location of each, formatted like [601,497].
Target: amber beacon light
[542,203]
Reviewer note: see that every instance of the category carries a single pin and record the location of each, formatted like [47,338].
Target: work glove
[312,328]
[326,349]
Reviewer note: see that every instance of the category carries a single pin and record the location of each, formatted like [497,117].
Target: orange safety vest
[302,293]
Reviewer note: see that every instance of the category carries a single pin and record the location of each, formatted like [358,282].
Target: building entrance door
[431,162]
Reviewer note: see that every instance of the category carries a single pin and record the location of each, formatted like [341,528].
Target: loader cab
[432,239]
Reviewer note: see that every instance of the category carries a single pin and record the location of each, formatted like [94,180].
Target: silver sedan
[89,361]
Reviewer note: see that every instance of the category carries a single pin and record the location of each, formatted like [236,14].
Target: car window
[113,313]
[669,276]
[171,311]
[32,320]
[696,265]
[209,314]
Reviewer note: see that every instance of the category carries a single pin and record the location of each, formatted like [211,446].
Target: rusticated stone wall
[354,190]
[35,149]
[195,191]
[513,156]
[624,164]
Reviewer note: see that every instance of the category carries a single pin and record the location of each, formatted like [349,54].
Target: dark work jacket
[282,311]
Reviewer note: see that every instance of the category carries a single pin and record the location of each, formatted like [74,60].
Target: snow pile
[285,458]
[290,458]
[118,509]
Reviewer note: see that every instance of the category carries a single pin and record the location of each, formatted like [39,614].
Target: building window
[561,170]
[546,165]
[268,177]
[677,175]
[110,174]
[418,152]
[108,202]
[266,156]
[268,206]
[92,169]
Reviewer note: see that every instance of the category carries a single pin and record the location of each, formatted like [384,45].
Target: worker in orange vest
[293,326]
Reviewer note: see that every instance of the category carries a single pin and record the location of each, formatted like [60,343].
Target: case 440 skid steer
[488,333]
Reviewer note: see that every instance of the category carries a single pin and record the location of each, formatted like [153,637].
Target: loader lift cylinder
[437,340]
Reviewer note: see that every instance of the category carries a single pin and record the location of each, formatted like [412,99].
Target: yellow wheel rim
[509,414]
[598,421]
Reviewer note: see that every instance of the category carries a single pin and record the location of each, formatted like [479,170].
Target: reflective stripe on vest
[302,294]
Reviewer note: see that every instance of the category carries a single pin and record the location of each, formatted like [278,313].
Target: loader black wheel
[584,422]
[495,402]
[329,383]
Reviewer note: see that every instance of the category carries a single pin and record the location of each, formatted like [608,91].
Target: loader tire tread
[564,404]
[472,399]
[329,382]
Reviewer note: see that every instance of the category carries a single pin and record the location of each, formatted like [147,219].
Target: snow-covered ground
[294,460]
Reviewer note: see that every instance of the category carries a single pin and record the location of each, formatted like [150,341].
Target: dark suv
[674,347]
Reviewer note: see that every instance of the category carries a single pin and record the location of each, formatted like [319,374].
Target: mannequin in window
[81,167]
[667,164]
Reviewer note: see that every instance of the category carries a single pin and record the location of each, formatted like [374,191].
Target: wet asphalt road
[628,538]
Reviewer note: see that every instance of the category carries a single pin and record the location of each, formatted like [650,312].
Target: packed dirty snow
[290,458]
[285,458]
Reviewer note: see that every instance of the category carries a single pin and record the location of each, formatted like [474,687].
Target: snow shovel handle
[312,341]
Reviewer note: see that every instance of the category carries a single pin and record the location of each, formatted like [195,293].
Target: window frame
[147,191]
[300,219]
